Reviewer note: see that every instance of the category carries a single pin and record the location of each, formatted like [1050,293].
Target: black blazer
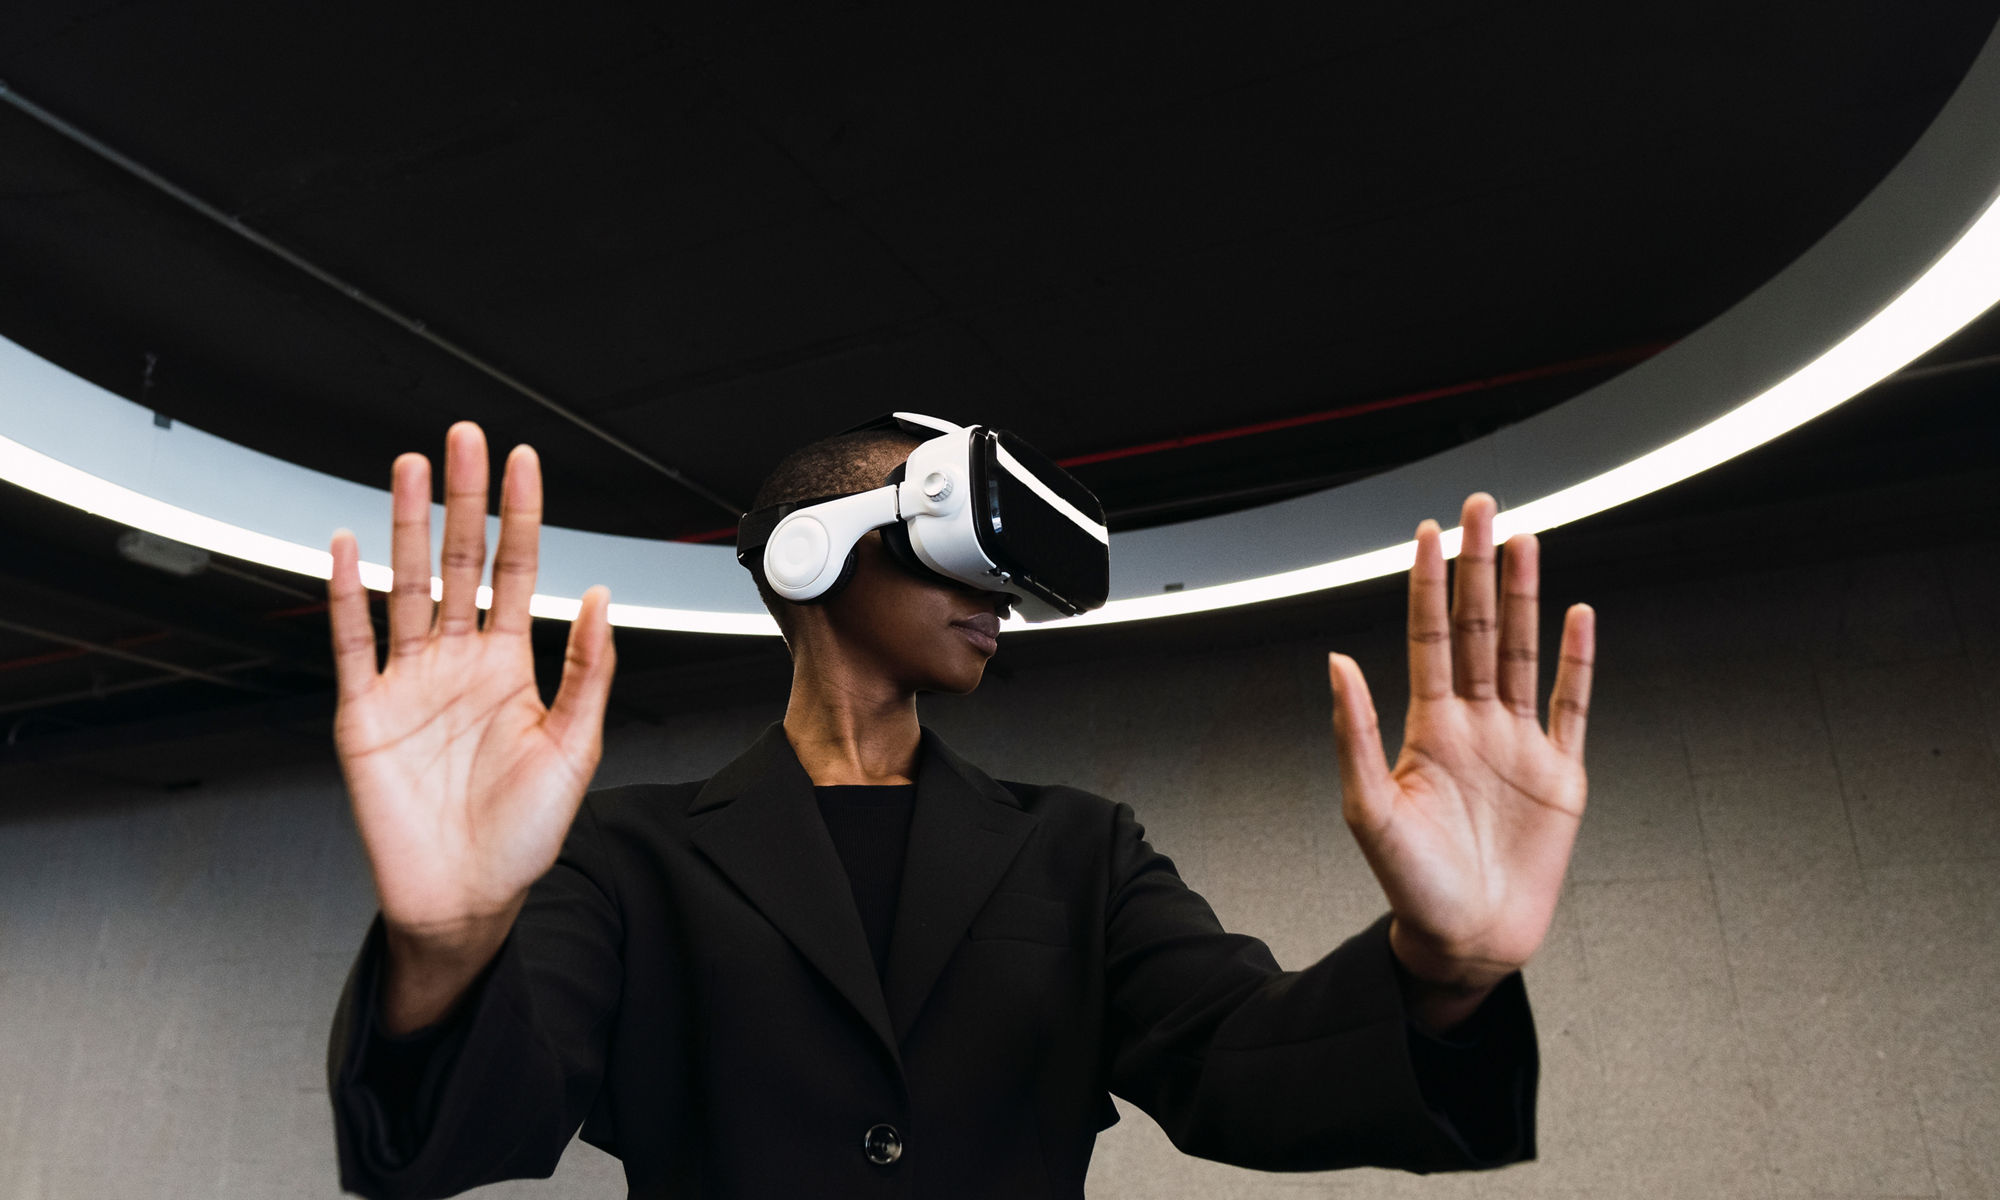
[692,984]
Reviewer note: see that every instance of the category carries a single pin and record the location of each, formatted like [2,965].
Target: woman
[740,999]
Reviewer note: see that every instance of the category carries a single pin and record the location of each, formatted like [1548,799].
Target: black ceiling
[717,235]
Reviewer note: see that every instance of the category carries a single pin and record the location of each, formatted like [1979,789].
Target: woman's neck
[845,735]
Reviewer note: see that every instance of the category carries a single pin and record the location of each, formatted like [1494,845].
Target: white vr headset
[971,505]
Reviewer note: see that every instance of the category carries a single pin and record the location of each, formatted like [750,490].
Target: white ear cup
[796,555]
[807,552]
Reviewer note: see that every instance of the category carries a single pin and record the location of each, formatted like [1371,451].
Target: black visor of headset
[970,505]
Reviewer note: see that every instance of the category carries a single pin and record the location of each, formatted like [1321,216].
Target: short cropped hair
[832,466]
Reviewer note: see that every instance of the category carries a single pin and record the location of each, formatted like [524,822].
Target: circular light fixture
[1915,261]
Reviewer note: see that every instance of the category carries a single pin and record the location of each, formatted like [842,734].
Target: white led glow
[1962,284]
[61,482]
[41,474]
[178,480]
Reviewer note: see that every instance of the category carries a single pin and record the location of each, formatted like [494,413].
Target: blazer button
[882,1144]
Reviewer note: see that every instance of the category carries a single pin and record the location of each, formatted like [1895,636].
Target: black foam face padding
[839,582]
[896,540]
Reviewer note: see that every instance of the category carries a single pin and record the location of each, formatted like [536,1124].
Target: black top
[870,828]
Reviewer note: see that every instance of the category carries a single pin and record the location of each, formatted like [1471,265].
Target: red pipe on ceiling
[1626,354]
[68,652]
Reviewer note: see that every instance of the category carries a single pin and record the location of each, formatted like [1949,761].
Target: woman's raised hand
[463,784]
[1470,834]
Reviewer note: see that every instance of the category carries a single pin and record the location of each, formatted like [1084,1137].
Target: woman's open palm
[1470,834]
[463,783]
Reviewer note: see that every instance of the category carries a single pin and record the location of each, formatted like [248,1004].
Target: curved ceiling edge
[1914,262]
[72,441]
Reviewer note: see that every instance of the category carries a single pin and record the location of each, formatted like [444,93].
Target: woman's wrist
[1440,991]
[428,971]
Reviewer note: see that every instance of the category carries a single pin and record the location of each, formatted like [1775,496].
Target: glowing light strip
[1947,174]
[61,482]
[1962,284]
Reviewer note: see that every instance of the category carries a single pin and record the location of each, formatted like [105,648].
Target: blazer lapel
[965,831]
[758,822]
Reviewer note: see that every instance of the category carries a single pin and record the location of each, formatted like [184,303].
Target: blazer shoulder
[644,808]
[1061,802]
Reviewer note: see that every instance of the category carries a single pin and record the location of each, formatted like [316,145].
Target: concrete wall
[1775,971]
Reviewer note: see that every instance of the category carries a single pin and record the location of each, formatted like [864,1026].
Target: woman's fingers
[464,557]
[576,719]
[410,555]
[1429,624]
[347,612]
[515,562]
[1474,616]
[1368,796]
[1569,703]
[1520,605]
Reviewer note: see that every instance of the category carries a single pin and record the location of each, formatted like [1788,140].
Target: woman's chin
[958,683]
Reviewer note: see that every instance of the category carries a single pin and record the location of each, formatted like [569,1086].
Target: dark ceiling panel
[716,231]
[721,231]
[738,427]
[886,95]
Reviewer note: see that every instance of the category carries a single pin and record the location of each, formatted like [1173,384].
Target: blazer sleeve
[498,1089]
[1308,1070]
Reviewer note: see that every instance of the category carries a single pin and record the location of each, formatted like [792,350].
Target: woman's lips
[982,631]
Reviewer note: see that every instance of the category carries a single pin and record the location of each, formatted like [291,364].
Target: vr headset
[971,505]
